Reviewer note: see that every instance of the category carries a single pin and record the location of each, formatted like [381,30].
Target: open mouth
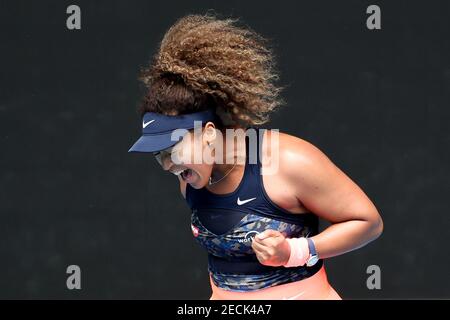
[185,174]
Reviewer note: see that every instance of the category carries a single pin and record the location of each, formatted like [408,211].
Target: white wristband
[299,252]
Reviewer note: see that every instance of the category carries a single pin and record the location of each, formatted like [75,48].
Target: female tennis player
[255,213]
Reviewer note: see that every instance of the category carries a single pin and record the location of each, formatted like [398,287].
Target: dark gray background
[376,102]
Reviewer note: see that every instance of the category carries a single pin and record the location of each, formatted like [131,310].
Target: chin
[195,186]
[199,184]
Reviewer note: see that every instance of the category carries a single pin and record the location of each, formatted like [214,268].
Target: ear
[209,133]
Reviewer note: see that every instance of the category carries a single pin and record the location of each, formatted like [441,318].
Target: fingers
[268,233]
[261,252]
[258,246]
[264,251]
[266,246]
[271,238]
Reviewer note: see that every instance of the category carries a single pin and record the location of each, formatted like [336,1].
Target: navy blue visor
[157,129]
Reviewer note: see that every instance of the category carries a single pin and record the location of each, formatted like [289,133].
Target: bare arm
[326,191]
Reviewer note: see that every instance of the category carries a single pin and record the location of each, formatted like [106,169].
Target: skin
[316,185]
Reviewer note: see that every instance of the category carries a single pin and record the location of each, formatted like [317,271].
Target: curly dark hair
[206,62]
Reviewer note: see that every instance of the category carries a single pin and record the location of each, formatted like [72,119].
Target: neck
[233,161]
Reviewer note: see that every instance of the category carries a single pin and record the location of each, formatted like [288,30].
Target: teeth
[177,173]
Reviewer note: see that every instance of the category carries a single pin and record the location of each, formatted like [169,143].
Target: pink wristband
[299,252]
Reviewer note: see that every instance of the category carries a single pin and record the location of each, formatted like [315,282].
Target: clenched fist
[271,248]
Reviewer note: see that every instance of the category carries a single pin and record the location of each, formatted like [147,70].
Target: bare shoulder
[299,164]
[317,182]
[286,168]
[292,151]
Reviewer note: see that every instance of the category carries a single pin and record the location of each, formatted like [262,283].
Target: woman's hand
[271,248]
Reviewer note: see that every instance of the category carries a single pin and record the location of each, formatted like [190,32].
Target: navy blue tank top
[225,224]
